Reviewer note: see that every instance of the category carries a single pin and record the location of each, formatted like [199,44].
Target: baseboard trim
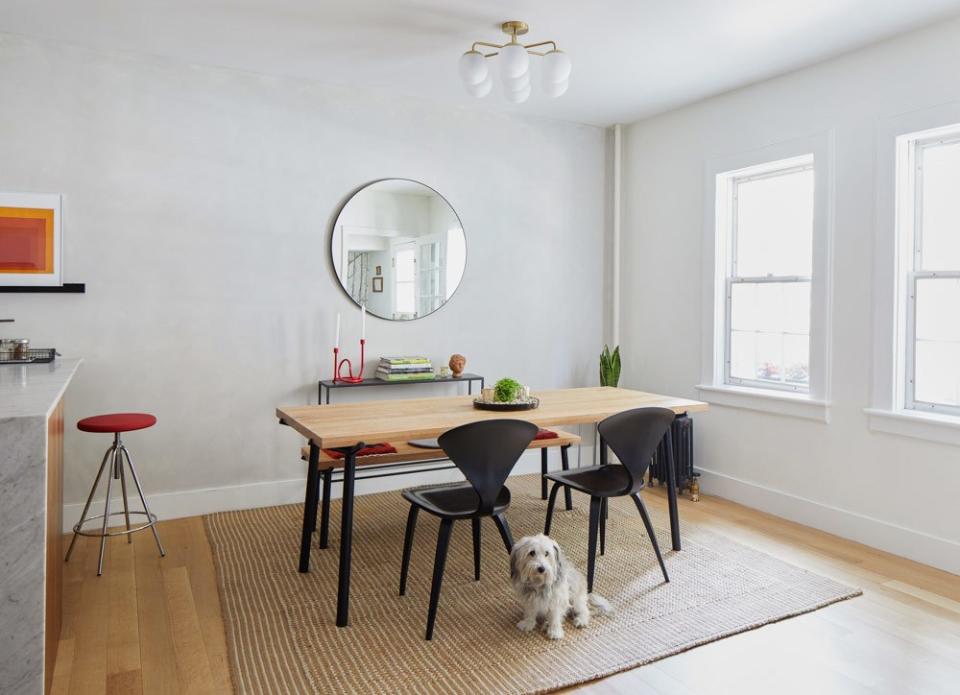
[935,551]
[182,503]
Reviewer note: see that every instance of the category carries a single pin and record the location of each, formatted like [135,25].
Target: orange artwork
[26,240]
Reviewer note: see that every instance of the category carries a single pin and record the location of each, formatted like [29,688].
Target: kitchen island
[31,516]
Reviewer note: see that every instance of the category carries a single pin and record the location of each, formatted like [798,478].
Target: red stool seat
[117,422]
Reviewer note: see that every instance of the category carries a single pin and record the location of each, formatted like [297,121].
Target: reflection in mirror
[398,248]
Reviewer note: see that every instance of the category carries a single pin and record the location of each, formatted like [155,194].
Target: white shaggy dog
[549,587]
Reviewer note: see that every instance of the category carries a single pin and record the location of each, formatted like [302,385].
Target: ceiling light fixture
[515,66]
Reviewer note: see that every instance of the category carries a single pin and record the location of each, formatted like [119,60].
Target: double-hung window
[769,264]
[767,293]
[929,234]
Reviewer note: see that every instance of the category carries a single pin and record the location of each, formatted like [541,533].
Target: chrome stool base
[115,455]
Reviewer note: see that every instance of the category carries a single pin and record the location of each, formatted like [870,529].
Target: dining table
[349,427]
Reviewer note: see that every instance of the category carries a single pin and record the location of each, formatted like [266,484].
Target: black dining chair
[485,452]
[633,436]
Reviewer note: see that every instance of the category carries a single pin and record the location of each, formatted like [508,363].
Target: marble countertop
[29,390]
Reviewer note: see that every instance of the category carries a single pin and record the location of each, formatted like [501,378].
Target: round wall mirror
[398,249]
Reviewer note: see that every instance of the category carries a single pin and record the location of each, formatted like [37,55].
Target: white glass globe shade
[555,89]
[519,96]
[517,84]
[482,89]
[473,68]
[556,67]
[514,61]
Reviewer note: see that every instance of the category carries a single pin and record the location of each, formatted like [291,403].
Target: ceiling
[631,58]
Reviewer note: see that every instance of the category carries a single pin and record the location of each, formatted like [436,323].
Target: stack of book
[405,369]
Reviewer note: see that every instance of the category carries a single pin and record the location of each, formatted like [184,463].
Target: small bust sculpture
[457,363]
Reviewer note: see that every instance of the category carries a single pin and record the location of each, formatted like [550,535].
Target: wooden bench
[407,455]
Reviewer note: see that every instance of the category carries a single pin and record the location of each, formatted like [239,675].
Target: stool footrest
[97,534]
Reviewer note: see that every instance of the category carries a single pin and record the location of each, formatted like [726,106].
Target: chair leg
[501,521]
[106,512]
[653,537]
[553,501]
[143,501]
[126,506]
[407,546]
[543,473]
[595,503]
[565,464]
[325,508]
[443,542]
[476,548]
[86,507]
[603,526]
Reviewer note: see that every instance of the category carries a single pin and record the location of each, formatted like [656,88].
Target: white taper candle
[337,343]
[363,321]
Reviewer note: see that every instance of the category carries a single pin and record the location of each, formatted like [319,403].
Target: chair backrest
[486,452]
[633,435]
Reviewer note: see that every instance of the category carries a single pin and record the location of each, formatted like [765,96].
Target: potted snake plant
[610,366]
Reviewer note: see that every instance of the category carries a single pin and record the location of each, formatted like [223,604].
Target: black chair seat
[598,481]
[454,501]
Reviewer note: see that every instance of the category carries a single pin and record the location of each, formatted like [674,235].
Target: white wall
[888,491]
[197,208]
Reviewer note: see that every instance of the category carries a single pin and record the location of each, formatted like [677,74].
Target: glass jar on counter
[14,349]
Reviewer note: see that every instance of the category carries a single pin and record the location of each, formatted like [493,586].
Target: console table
[329,384]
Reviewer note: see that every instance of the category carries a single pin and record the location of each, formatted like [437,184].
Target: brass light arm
[541,43]
[498,46]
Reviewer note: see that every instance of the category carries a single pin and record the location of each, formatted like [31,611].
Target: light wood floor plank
[123,640]
[193,666]
[902,636]
[62,670]
[203,584]
[88,674]
[158,662]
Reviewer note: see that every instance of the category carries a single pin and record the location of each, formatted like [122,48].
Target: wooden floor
[154,626]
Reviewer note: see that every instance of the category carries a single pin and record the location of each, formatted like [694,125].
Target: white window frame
[893,285]
[911,150]
[727,189]
[812,401]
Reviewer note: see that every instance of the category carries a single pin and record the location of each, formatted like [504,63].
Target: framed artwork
[379,270]
[378,284]
[30,239]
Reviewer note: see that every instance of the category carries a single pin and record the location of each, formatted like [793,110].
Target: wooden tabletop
[401,420]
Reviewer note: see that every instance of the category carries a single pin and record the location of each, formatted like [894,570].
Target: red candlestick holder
[338,366]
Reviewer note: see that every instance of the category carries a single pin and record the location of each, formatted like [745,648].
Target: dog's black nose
[541,569]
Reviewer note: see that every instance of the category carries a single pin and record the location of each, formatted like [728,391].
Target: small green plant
[506,390]
[610,366]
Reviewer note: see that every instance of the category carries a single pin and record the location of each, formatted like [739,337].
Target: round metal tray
[505,407]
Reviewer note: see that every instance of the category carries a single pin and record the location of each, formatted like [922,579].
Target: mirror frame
[333,230]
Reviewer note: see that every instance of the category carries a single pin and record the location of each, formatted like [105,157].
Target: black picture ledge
[66,288]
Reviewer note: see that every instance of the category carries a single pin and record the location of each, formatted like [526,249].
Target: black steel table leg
[672,491]
[565,464]
[346,536]
[603,452]
[310,507]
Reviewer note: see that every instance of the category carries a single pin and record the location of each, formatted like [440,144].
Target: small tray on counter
[507,407]
[32,356]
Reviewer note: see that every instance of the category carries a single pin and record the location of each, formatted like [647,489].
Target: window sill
[909,423]
[767,401]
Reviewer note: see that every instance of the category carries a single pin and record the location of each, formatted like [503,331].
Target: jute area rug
[280,623]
